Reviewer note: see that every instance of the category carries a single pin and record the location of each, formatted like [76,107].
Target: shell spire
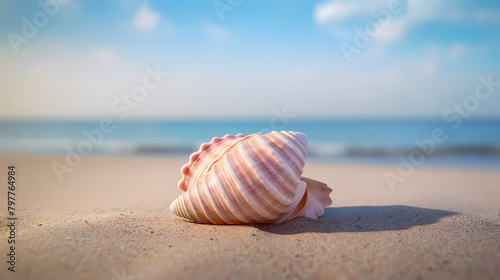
[239,179]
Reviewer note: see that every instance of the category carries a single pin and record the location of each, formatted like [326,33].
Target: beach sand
[109,219]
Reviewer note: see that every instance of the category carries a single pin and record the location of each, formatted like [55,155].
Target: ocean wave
[316,150]
[335,150]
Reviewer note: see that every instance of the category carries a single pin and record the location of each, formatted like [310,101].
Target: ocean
[472,143]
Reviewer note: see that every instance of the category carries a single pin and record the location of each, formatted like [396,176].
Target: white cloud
[392,33]
[145,18]
[339,10]
[414,13]
[457,50]
[335,10]
[329,11]
[216,31]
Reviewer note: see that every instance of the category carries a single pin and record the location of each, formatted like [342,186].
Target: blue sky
[261,56]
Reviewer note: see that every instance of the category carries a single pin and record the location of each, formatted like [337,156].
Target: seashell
[240,179]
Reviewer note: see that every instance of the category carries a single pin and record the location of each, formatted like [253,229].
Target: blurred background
[368,81]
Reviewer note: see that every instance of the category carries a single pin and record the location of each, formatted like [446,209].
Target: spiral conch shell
[240,179]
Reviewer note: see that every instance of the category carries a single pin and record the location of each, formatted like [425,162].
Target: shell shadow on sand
[361,219]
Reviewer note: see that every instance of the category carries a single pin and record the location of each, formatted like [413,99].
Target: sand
[109,219]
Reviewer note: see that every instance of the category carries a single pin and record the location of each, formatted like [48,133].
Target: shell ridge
[293,158]
[195,206]
[301,192]
[278,185]
[231,194]
[256,192]
[182,207]
[250,213]
[206,205]
[284,158]
[217,196]
[300,139]
[198,159]
[299,158]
